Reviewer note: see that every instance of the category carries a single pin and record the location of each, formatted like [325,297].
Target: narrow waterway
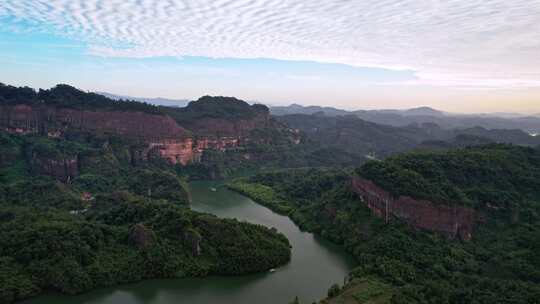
[315,265]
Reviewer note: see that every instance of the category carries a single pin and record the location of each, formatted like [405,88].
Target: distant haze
[467,56]
[158,101]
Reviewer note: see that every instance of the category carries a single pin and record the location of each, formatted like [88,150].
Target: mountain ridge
[399,118]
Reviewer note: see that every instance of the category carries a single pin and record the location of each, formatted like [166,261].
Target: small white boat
[272,270]
[213,189]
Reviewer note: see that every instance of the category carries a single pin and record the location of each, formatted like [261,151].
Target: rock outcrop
[53,121]
[193,240]
[223,128]
[141,236]
[159,132]
[162,135]
[63,169]
[174,151]
[452,221]
[178,135]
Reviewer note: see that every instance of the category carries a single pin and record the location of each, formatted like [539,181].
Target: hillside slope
[404,262]
[212,131]
[364,140]
[402,118]
[78,214]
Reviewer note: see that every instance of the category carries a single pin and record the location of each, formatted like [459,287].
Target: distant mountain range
[158,101]
[327,136]
[391,117]
[299,109]
[348,134]
[400,118]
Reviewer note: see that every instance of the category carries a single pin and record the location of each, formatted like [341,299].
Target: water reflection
[315,265]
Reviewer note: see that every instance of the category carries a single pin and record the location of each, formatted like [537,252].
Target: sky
[455,55]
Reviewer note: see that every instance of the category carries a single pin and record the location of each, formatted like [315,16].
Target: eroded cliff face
[158,135]
[52,121]
[141,236]
[224,128]
[61,168]
[174,151]
[158,132]
[452,221]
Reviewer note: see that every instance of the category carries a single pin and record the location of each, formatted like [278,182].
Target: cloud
[457,42]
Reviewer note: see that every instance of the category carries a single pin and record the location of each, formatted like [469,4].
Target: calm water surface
[315,265]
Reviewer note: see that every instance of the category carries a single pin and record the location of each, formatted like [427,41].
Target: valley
[422,230]
[97,193]
[311,257]
[269,152]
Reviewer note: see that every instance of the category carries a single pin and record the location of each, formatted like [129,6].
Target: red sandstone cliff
[23,118]
[218,127]
[63,169]
[449,220]
[161,134]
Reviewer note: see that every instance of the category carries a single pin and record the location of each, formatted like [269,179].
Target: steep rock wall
[218,127]
[48,120]
[161,134]
[452,221]
[63,168]
[174,151]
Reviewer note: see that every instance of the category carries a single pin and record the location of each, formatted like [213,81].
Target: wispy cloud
[463,42]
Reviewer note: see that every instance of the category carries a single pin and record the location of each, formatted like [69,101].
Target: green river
[315,265]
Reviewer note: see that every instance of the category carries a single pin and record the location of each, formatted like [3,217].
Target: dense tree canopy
[499,175]
[228,108]
[113,222]
[63,95]
[398,264]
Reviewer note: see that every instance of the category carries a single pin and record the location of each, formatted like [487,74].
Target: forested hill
[360,138]
[421,115]
[229,108]
[499,175]
[401,262]
[66,96]
[63,95]
[218,130]
[80,213]
[226,116]
[209,132]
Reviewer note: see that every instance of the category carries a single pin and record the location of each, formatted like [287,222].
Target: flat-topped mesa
[222,123]
[179,135]
[64,109]
[162,134]
[51,120]
[451,221]
[221,117]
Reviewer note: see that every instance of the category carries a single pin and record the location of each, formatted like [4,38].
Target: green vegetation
[360,290]
[262,194]
[269,142]
[228,108]
[112,222]
[67,96]
[86,211]
[500,175]
[351,136]
[398,264]
[348,139]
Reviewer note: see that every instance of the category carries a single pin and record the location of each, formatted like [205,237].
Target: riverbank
[399,263]
[127,239]
[261,194]
[315,264]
